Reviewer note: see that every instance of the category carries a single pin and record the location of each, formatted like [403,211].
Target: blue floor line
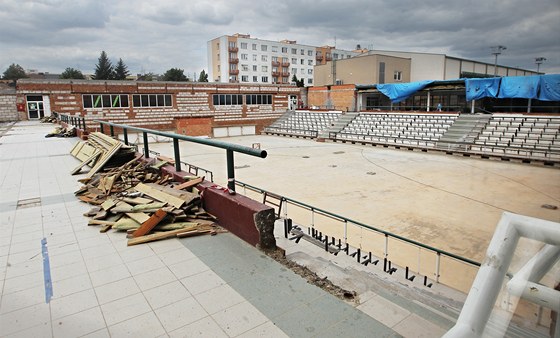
[46,271]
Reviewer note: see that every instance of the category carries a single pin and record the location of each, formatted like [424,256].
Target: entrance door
[293,102]
[35,107]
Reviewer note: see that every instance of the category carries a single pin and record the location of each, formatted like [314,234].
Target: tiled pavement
[208,286]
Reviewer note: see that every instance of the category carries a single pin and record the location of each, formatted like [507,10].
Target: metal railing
[229,147]
[454,270]
[292,131]
[77,121]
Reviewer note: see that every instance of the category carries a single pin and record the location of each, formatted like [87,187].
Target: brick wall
[190,99]
[194,126]
[341,97]
[8,110]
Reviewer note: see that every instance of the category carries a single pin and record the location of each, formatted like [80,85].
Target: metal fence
[370,245]
[77,121]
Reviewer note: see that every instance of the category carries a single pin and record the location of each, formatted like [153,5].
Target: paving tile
[116,290]
[166,294]
[74,303]
[92,252]
[125,308]
[35,315]
[68,271]
[176,256]
[146,325]
[219,298]
[71,285]
[384,311]
[181,313]
[42,330]
[103,262]
[268,330]
[201,282]
[205,327]
[23,282]
[23,268]
[22,299]
[79,324]
[109,275]
[154,278]
[164,246]
[136,252]
[103,333]
[143,265]
[416,326]
[188,268]
[239,318]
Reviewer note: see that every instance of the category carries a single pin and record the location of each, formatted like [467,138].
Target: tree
[175,74]
[104,68]
[71,73]
[14,72]
[298,83]
[147,77]
[203,77]
[121,71]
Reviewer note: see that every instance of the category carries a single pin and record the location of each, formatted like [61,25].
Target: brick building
[199,108]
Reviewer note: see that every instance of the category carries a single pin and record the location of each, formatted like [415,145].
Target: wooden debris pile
[99,152]
[136,199]
[48,119]
[62,132]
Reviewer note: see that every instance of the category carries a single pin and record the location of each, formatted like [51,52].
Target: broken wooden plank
[158,236]
[189,184]
[150,207]
[87,161]
[104,159]
[137,200]
[126,223]
[139,217]
[105,228]
[195,233]
[149,224]
[98,222]
[160,195]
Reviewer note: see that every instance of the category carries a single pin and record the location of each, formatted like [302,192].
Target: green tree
[72,73]
[121,71]
[104,68]
[175,74]
[203,77]
[14,72]
[298,83]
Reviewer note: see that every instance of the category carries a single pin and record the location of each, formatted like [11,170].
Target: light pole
[497,50]
[538,61]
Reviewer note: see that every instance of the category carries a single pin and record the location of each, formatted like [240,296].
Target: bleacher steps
[342,121]
[465,129]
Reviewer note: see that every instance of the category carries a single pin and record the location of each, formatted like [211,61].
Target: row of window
[121,101]
[237,99]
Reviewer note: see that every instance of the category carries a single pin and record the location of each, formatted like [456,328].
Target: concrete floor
[448,202]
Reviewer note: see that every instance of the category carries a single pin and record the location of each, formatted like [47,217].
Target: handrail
[369,227]
[229,147]
[78,121]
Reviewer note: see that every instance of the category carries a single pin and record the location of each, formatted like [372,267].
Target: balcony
[233,49]
[276,74]
[234,71]
[285,64]
[328,58]
[319,57]
[275,63]
[234,61]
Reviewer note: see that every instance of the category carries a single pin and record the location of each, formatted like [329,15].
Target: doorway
[293,102]
[38,106]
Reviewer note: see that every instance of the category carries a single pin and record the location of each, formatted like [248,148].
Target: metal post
[386,250]
[101,128]
[529,105]
[84,123]
[438,258]
[230,170]
[428,101]
[345,231]
[177,154]
[472,107]
[125,135]
[312,217]
[146,150]
[112,130]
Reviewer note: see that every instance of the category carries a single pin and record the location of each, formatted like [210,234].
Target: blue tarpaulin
[398,92]
[525,87]
[479,88]
[549,87]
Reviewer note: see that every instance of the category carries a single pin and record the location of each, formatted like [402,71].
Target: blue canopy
[398,92]
[479,88]
[549,87]
[525,87]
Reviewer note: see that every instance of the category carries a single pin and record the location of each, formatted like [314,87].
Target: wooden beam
[149,224]
[161,235]
[189,184]
[160,195]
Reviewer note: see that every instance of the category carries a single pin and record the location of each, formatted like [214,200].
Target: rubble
[62,132]
[134,197]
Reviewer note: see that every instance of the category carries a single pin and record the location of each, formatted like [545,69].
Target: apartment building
[241,59]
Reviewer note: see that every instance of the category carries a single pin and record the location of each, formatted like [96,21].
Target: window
[232,66]
[302,71]
[243,56]
[310,71]
[301,61]
[264,68]
[294,70]
[152,100]
[232,44]
[294,60]
[275,69]
[227,99]
[255,79]
[302,51]
[310,53]
[105,101]
[294,50]
[245,68]
[397,76]
[310,62]
[243,45]
[264,79]
[309,81]
[335,56]
[274,79]
[254,68]
[275,49]
[284,49]
[254,46]
[264,58]
[264,48]
[254,57]
[258,99]
[244,78]
[274,59]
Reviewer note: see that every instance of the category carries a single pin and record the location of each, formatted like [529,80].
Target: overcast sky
[153,36]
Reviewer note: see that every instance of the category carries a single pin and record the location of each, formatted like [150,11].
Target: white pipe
[536,293]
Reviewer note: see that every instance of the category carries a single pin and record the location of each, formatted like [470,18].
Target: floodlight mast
[538,61]
[497,50]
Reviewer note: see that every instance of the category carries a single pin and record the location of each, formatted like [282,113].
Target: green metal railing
[78,121]
[229,147]
[346,222]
